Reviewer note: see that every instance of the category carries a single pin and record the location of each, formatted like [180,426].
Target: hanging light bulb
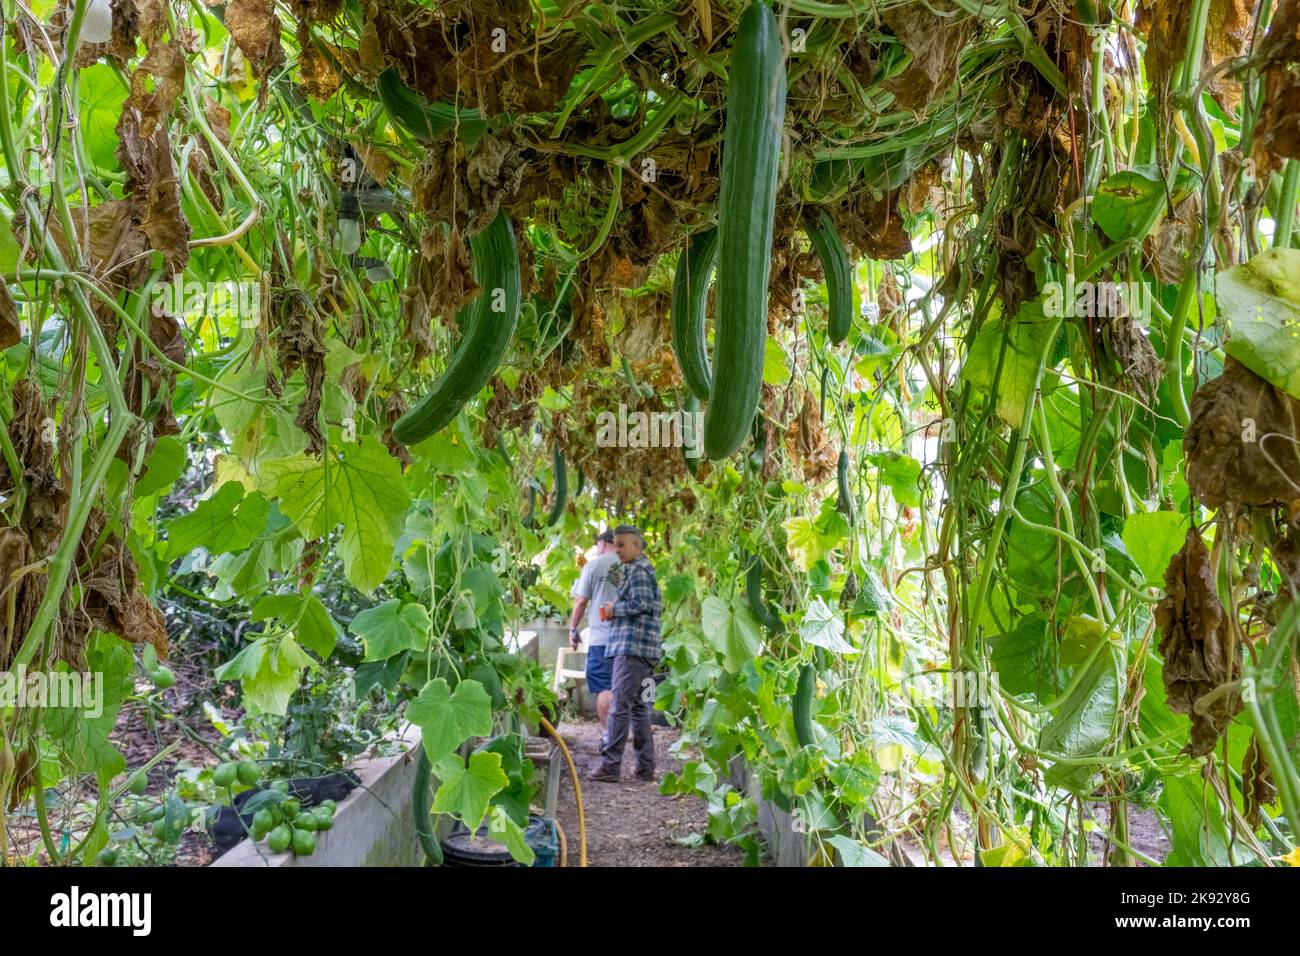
[349,224]
[97,27]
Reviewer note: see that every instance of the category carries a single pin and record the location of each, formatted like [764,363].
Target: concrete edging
[373,825]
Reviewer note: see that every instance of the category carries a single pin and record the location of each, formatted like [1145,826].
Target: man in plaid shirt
[636,647]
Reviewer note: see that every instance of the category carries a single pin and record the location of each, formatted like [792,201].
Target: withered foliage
[808,445]
[105,582]
[1194,643]
[1241,446]
[1277,135]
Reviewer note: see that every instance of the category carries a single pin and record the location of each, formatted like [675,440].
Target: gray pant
[633,679]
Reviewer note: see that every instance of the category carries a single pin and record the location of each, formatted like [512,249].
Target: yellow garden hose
[577,790]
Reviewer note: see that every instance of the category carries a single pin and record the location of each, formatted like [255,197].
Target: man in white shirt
[592,590]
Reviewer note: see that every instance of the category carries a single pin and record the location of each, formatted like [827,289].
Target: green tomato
[264,820]
[304,842]
[279,839]
[155,813]
[160,830]
[249,772]
[329,805]
[225,775]
[163,677]
[138,783]
[107,856]
[305,821]
[280,785]
[324,821]
[291,807]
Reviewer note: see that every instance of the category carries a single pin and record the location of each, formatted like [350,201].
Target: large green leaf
[1022,658]
[447,720]
[390,628]
[823,627]
[1025,344]
[269,670]
[1261,303]
[227,522]
[1128,204]
[81,730]
[732,630]
[465,791]
[357,485]
[100,95]
[1085,721]
[1152,539]
[1195,818]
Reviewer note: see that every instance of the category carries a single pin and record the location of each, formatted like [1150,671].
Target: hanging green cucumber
[690,294]
[839,274]
[504,451]
[751,155]
[561,487]
[422,119]
[763,612]
[488,334]
[844,503]
[420,809]
[803,701]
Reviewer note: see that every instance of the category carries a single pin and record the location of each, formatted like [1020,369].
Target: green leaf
[776,370]
[390,628]
[465,791]
[260,430]
[1127,205]
[100,97]
[505,830]
[165,464]
[1084,723]
[447,720]
[900,473]
[731,630]
[81,733]
[269,671]
[1198,838]
[313,626]
[809,541]
[225,523]
[359,486]
[1022,658]
[1025,347]
[853,853]
[1261,302]
[1152,539]
[822,627]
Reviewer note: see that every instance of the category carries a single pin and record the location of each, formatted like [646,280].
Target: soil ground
[631,823]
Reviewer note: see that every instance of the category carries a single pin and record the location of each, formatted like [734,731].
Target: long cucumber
[690,294]
[839,274]
[488,331]
[803,699]
[751,156]
[419,117]
[561,487]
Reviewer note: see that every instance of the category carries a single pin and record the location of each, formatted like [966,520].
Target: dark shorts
[600,669]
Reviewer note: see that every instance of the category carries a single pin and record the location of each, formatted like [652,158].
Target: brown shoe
[648,777]
[602,774]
